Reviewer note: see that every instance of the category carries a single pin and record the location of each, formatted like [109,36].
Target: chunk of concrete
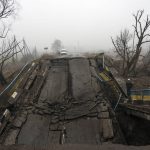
[103,115]
[93,63]
[11,137]
[107,129]
[20,119]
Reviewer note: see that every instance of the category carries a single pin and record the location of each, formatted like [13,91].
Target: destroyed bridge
[70,103]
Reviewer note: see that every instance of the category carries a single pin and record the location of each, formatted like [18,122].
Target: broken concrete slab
[20,119]
[93,63]
[107,129]
[55,88]
[11,137]
[83,131]
[81,79]
[35,130]
[103,115]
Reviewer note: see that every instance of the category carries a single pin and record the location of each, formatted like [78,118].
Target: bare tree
[121,44]
[56,46]
[7,9]
[131,54]
[8,50]
[35,53]
[146,58]
[27,56]
[142,34]
[146,63]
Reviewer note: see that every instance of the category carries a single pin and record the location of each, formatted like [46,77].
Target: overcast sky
[87,23]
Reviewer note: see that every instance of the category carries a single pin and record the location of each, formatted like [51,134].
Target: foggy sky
[88,24]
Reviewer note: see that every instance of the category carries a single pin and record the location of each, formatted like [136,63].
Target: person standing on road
[129,86]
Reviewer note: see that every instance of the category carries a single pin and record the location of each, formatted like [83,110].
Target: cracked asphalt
[61,102]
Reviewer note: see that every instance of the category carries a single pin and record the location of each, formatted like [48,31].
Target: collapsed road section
[60,101]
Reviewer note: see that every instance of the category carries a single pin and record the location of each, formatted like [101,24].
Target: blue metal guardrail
[13,81]
[140,95]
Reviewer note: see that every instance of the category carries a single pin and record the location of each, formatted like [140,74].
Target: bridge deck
[60,102]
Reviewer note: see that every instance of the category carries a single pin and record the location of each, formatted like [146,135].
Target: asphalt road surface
[61,102]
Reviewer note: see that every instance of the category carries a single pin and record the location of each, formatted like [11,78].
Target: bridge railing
[141,96]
